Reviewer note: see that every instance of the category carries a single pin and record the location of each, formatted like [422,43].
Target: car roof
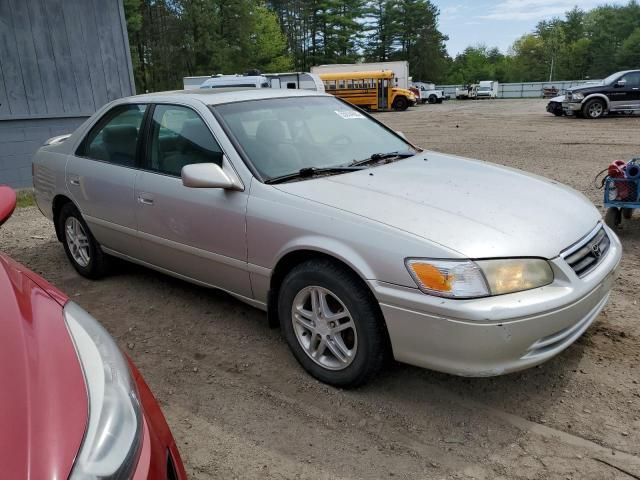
[218,96]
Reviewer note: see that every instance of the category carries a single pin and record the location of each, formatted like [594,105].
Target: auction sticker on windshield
[349,114]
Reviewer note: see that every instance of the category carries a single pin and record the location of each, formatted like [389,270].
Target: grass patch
[26,198]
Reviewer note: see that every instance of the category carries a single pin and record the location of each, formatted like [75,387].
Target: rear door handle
[74,180]
[145,199]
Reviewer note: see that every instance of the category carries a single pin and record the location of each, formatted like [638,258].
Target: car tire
[433,99]
[627,213]
[594,108]
[347,357]
[82,249]
[613,217]
[400,104]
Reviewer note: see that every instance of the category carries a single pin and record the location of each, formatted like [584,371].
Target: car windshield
[281,136]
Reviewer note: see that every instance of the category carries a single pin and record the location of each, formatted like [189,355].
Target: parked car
[72,405]
[617,93]
[555,106]
[358,243]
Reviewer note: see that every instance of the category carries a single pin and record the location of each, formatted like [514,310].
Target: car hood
[477,209]
[43,399]
[586,89]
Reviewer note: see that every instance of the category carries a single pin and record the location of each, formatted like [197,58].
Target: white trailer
[487,89]
[400,69]
[296,80]
[291,80]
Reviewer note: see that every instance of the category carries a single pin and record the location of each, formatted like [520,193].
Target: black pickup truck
[619,93]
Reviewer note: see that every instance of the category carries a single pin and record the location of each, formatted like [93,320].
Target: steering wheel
[340,140]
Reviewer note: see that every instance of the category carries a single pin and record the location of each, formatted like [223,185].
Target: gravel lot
[240,407]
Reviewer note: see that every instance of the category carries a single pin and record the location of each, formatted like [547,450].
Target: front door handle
[74,180]
[145,199]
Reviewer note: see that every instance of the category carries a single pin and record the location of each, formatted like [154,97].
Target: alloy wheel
[77,241]
[595,110]
[324,328]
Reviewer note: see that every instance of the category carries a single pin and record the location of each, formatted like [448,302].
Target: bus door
[383,84]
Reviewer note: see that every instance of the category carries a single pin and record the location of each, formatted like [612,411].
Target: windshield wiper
[310,172]
[376,157]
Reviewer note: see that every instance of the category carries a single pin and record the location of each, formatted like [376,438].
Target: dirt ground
[241,408]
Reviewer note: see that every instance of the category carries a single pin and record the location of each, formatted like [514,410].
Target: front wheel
[433,99]
[594,108]
[81,247]
[332,324]
[400,103]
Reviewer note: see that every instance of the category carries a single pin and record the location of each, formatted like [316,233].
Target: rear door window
[115,137]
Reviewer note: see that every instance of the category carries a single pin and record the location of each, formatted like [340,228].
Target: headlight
[113,438]
[468,279]
[577,96]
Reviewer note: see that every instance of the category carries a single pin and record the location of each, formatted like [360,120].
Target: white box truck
[400,69]
[487,89]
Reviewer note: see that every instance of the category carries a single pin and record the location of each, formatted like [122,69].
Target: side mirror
[206,175]
[621,83]
[7,203]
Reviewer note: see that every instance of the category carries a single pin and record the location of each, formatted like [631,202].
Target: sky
[497,23]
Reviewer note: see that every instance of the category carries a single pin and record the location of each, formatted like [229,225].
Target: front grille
[585,255]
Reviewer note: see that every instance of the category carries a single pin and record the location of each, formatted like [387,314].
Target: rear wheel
[613,217]
[627,213]
[400,103]
[595,108]
[331,323]
[433,99]
[81,247]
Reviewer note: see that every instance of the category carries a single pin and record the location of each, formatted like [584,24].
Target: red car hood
[43,397]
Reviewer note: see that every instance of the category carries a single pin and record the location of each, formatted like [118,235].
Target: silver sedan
[360,245]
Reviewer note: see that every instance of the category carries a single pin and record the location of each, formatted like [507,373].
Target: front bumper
[159,457]
[496,335]
[570,108]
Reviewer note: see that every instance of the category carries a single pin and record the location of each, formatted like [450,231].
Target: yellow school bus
[370,90]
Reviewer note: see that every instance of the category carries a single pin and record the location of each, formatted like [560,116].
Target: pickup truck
[618,93]
[428,92]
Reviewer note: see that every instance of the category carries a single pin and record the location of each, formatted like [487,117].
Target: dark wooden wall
[58,59]
[62,57]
